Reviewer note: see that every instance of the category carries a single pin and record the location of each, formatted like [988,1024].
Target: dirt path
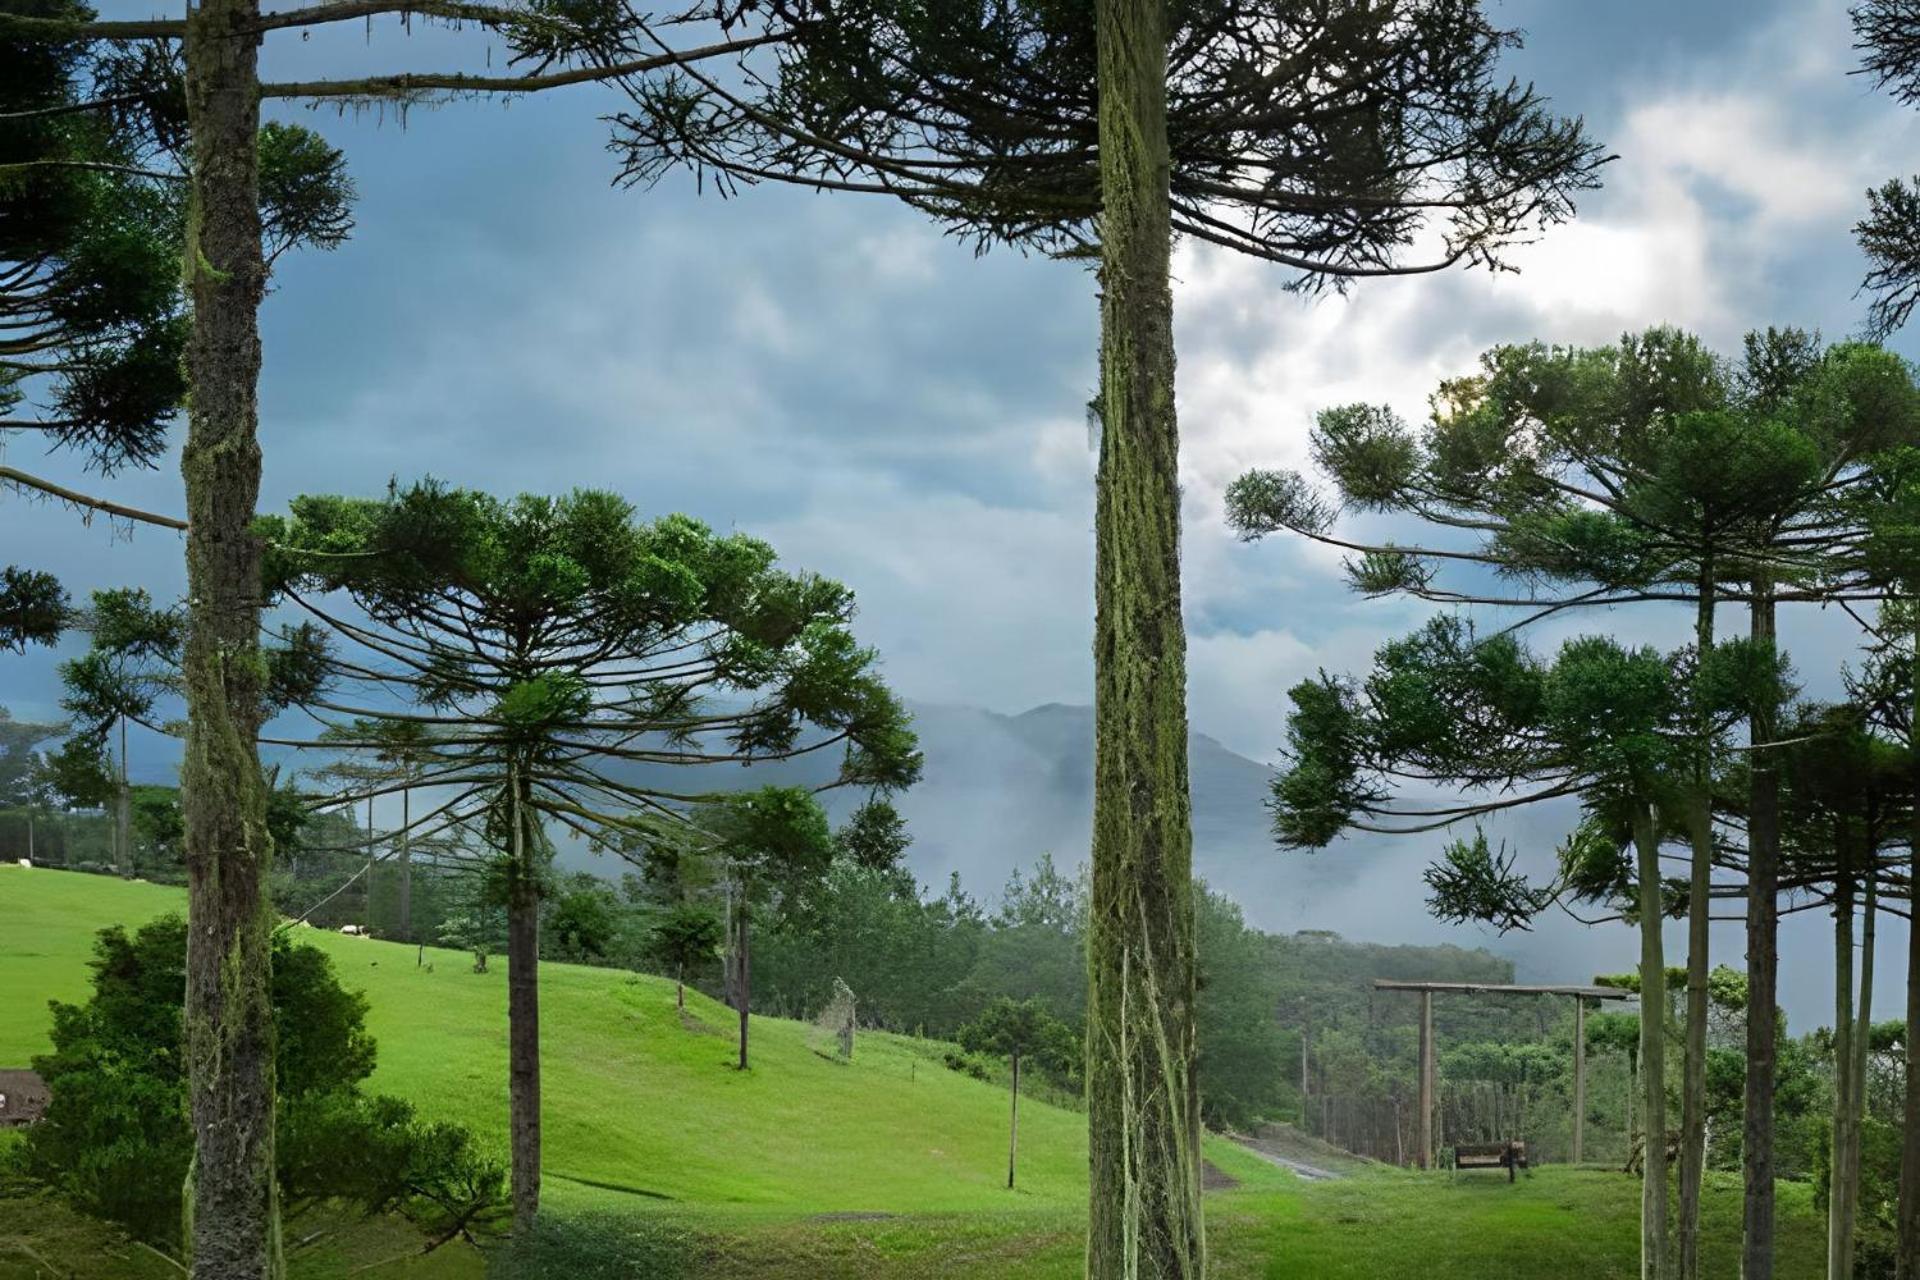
[1307,1157]
[1311,1172]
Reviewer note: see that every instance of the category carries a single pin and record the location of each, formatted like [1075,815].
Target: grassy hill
[891,1165]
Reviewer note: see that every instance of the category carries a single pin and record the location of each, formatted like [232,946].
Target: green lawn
[890,1166]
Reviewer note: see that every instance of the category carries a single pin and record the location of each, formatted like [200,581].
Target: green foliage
[1472,882]
[33,608]
[581,921]
[116,1139]
[587,649]
[1022,1030]
[688,937]
[22,771]
[596,1246]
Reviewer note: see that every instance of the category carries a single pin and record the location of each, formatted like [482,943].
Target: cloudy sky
[830,373]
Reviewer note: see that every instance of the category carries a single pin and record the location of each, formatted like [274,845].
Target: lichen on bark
[235,1232]
[1143,1113]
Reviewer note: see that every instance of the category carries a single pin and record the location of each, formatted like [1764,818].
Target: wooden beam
[1494,988]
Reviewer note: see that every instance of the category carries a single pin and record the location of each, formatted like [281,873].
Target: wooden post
[1579,1077]
[1426,1079]
[1305,1030]
[1013,1138]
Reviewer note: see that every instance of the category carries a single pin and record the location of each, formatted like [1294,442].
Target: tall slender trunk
[1013,1137]
[1907,1256]
[1144,1220]
[1654,1261]
[743,973]
[523,1017]
[1693,1071]
[234,1229]
[1763,962]
[1839,1189]
[1862,1045]
[367,912]
[123,812]
[406,867]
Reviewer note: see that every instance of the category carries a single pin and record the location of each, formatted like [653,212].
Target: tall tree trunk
[1907,1256]
[406,867]
[743,974]
[1013,1136]
[1654,1261]
[372,857]
[1693,1072]
[1862,1046]
[1839,1190]
[1763,962]
[1144,1218]
[730,954]
[523,1018]
[123,812]
[234,1230]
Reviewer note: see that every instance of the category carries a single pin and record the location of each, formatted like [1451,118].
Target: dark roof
[26,1096]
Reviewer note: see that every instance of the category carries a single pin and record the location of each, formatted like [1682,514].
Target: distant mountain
[1002,789]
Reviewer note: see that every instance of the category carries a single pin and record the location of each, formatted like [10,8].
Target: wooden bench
[1511,1156]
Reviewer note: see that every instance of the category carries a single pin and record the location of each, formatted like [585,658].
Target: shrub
[116,1139]
[596,1246]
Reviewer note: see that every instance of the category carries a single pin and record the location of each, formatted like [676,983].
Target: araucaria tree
[1887,34]
[1020,1031]
[212,56]
[564,651]
[1326,139]
[1650,470]
[686,937]
[1489,721]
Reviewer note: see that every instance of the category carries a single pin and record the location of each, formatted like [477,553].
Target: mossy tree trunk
[234,1231]
[1143,1114]
[1655,1263]
[1907,1255]
[523,1011]
[1693,1071]
[1763,965]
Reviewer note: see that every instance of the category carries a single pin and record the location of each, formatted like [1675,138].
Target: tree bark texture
[1143,1118]
[1655,1263]
[1907,1253]
[233,1230]
[1763,967]
[523,1020]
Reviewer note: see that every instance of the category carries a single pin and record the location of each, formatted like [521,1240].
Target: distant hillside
[1000,790]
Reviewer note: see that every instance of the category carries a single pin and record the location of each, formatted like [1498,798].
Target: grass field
[889,1166]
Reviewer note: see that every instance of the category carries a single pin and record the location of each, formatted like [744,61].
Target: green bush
[116,1139]
[596,1246]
